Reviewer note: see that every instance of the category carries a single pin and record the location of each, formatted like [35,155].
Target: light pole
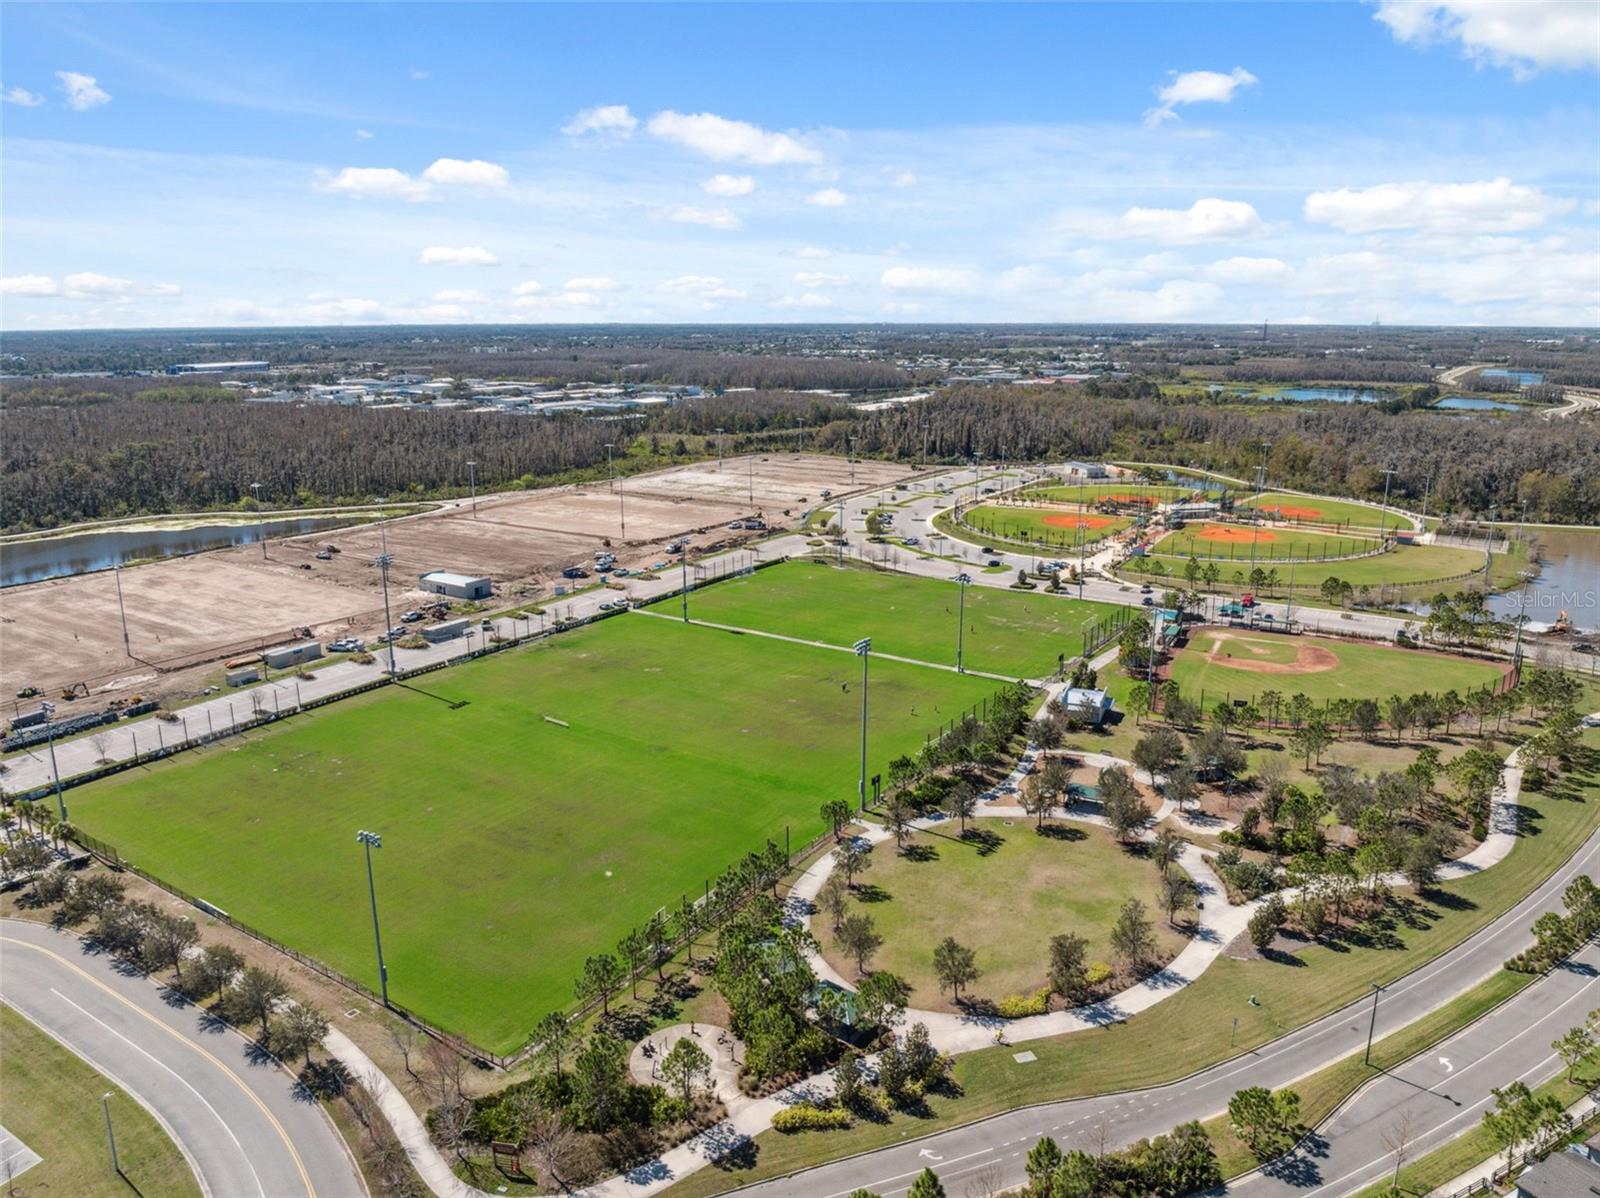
[1383,521]
[863,649]
[962,580]
[370,841]
[800,437]
[853,461]
[1488,543]
[384,561]
[616,485]
[719,451]
[261,528]
[683,558]
[924,442]
[1373,1022]
[55,774]
[472,482]
[1261,470]
[122,611]
[111,1136]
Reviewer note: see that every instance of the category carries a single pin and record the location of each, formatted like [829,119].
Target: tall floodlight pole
[853,461]
[683,558]
[385,560]
[261,528]
[924,442]
[719,450]
[1383,521]
[1261,470]
[111,1136]
[1522,618]
[122,611]
[863,649]
[800,438]
[1488,543]
[472,482]
[961,621]
[1427,488]
[616,485]
[55,773]
[1372,1023]
[751,463]
[611,471]
[370,841]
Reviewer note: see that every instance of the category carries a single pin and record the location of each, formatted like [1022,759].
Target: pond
[1325,395]
[1523,378]
[1467,403]
[80,553]
[1568,581]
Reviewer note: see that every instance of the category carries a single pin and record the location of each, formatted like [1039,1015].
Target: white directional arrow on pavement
[1448,1067]
[931,1156]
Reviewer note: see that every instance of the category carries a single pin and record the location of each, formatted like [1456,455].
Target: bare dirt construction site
[185,614]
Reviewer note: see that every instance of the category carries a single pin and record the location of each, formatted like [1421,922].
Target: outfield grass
[1192,1029]
[52,1104]
[514,847]
[1092,492]
[1273,546]
[1004,900]
[1315,509]
[1363,671]
[1409,565]
[1008,632]
[1056,530]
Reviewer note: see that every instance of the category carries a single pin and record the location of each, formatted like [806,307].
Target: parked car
[1580,647]
[911,541]
[1146,589]
[486,623]
[735,523]
[621,572]
[1148,601]
[411,617]
[986,549]
[993,561]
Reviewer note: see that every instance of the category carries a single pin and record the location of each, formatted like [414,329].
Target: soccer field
[1227,663]
[1015,633]
[514,847]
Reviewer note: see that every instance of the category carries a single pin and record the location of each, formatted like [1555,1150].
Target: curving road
[998,1146]
[235,1115]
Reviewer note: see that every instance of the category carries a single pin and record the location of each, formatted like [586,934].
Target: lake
[1467,403]
[1523,378]
[80,553]
[1569,581]
[1325,395]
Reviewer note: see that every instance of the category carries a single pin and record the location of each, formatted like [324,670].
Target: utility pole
[924,442]
[616,485]
[111,1136]
[683,558]
[852,461]
[1373,1022]
[371,840]
[1427,488]
[1488,543]
[719,451]
[800,438]
[1261,470]
[961,622]
[122,611]
[1383,524]
[55,773]
[472,481]
[863,649]
[261,528]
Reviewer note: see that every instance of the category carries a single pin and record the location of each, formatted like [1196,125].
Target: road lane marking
[299,1164]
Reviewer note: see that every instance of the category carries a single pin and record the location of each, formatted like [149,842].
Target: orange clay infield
[1059,521]
[1295,513]
[1232,535]
[1234,652]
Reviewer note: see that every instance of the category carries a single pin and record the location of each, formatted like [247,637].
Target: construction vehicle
[75,690]
[1563,623]
[27,692]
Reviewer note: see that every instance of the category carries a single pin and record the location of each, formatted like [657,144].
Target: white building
[457,586]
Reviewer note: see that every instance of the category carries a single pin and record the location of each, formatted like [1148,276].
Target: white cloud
[442,312]
[22,97]
[612,119]
[812,251]
[925,278]
[374,181]
[420,73]
[28,285]
[724,140]
[466,255]
[339,311]
[1197,87]
[700,286]
[729,185]
[810,300]
[1523,36]
[1490,206]
[1247,270]
[83,93]
[363,134]
[828,197]
[815,278]
[905,179]
[711,218]
[457,172]
[564,301]
[1176,299]
[457,295]
[1205,220]
[89,285]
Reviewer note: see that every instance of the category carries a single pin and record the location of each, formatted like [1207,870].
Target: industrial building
[448,631]
[217,367]
[1088,469]
[457,586]
[281,657]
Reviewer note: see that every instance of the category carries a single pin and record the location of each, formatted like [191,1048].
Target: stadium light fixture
[370,841]
[472,482]
[261,528]
[863,649]
[964,580]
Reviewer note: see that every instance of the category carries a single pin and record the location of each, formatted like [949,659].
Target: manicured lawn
[1402,566]
[1005,902]
[1317,510]
[1273,546]
[52,1104]
[514,847]
[1090,493]
[1052,530]
[1008,632]
[1191,1030]
[1359,671]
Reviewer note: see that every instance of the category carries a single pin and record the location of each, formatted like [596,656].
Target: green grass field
[1412,566]
[52,1104]
[1018,634]
[1363,671]
[1056,529]
[1273,546]
[1088,493]
[513,847]
[1005,904]
[1315,509]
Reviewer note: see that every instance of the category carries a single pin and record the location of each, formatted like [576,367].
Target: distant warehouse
[458,586]
[218,367]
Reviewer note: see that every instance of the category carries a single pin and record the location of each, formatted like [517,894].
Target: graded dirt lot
[180,610]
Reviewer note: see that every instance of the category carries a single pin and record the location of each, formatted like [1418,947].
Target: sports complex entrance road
[236,1116]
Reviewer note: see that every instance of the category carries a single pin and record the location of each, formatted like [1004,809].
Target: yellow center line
[187,1043]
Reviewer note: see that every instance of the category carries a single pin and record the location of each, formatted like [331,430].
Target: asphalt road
[996,1148]
[236,1116]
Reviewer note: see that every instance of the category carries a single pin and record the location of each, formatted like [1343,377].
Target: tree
[551,1038]
[167,940]
[600,1080]
[854,857]
[1311,738]
[1263,1119]
[1573,1047]
[847,1081]
[1178,893]
[685,1064]
[955,965]
[1069,966]
[1131,937]
[1182,785]
[257,994]
[635,950]
[881,999]
[960,801]
[898,813]
[858,938]
[1124,810]
[1043,1160]
[834,899]
[299,1029]
[214,970]
[1166,848]
[602,977]
[1519,1117]
[927,1185]
[1140,701]
[837,813]
[687,922]
[1157,751]
[1266,921]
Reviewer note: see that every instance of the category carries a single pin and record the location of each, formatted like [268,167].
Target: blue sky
[1404,160]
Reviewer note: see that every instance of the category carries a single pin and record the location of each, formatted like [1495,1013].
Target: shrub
[1098,973]
[805,1116]
[414,641]
[1018,1006]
